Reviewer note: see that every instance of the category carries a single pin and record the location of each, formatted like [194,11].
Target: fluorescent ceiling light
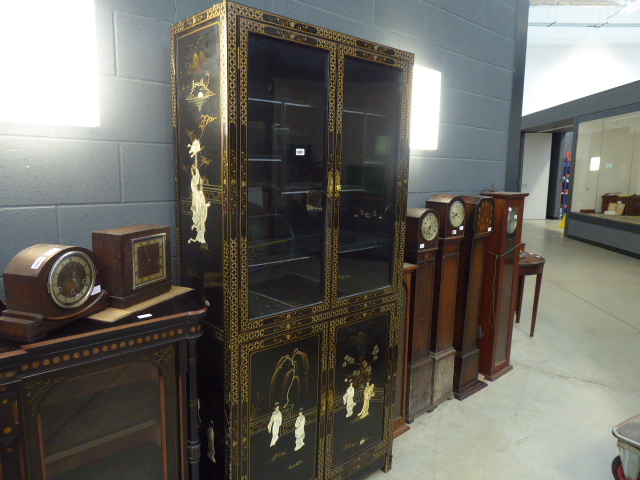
[48,62]
[631,7]
[594,166]
[425,108]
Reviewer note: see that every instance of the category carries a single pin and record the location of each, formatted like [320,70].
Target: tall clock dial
[429,227]
[456,214]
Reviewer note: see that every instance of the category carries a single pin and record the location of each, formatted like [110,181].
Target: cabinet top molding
[235,11]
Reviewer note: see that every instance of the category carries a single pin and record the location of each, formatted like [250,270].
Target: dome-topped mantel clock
[479,213]
[48,286]
[421,246]
[500,284]
[452,214]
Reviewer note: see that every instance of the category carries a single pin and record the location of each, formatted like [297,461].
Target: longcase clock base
[443,367]
[465,378]
[400,428]
[469,389]
[420,381]
[496,375]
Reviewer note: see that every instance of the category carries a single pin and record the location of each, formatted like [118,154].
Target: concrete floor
[551,417]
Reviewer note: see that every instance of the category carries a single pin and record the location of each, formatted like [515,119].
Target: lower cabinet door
[115,418]
[362,376]
[317,401]
[283,406]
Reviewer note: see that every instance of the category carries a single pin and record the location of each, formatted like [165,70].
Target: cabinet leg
[387,463]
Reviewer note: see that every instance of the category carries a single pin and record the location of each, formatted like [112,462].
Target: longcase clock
[500,285]
[479,214]
[400,409]
[452,224]
[421,246]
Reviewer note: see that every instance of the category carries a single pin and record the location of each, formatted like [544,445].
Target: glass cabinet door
[287,104]
[366,173]
[109,423]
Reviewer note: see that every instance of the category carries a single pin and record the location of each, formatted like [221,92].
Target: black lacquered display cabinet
[291,168]
[95,400]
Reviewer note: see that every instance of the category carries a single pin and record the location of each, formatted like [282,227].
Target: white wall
[535,174]
[561,73]
[566,62]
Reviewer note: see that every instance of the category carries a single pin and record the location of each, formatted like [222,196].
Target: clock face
[512,220]
[429,227]
[484,216]
[149,260]
[71,279]
[456,214]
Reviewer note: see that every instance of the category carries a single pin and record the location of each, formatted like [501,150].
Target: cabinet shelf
[88,423]
[123,465]
[265,159]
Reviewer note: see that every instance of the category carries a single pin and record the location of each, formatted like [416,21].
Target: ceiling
[578,3]
[577,21]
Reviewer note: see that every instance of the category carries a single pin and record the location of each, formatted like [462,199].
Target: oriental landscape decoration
[198,160]
[359,400]
[284,410]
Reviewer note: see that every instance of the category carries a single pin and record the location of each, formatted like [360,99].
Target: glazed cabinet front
[291,166]
[367,168]
[286,97]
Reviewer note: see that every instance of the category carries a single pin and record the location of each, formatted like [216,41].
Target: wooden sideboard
[94,397]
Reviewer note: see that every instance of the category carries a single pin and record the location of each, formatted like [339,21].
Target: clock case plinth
[30,312]
[444,297]
[479,215]
[422,253]
[115,253]
[500,285]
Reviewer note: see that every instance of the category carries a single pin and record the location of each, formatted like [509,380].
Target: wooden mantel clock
[421,246]
[479,213]
[136,261]
[48,286]
[500,285]
[452,213]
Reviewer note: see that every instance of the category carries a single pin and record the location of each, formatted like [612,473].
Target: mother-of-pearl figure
[199,204]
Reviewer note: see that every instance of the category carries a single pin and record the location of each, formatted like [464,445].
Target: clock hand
[73,275]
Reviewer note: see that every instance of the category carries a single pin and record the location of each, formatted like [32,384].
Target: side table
[530,264]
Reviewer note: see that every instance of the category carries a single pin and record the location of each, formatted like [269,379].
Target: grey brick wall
[58,184]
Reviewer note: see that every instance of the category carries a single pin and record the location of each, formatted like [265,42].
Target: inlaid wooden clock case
[444,292]
[291,183]
[500,285]
[422,252]
[479,214]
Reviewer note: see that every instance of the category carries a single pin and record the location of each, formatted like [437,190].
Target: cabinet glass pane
[287,115]
[370,149]
[105,425]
